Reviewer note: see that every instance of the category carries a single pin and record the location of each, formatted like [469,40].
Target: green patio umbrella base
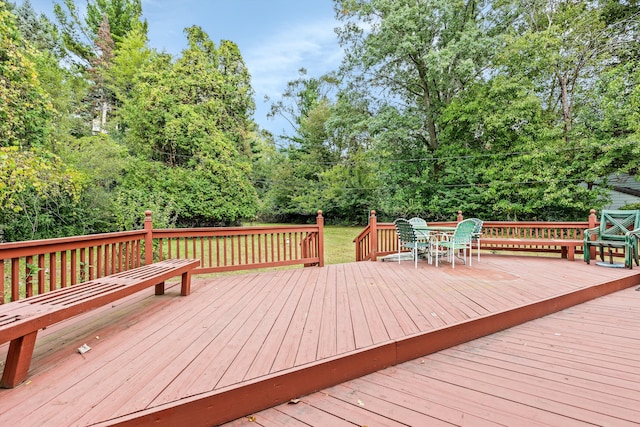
[609,264]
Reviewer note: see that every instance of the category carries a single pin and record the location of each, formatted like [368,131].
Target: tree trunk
[566,105]
[431,125]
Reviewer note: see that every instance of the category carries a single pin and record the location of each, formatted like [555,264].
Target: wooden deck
[242,343]
[577,367]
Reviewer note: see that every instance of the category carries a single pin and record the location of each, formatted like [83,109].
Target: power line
[461,185]
[409,160]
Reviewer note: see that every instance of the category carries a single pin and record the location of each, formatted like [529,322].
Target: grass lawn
[338,242]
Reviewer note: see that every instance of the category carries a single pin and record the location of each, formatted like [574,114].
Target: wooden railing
[380,239]
[243,248]
[38,266]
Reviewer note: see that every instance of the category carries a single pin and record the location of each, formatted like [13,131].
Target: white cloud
[276,59]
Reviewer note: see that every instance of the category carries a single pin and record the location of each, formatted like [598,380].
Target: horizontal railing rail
[39,266]
[380,239]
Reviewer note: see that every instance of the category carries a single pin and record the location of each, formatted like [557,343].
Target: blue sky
[275,37]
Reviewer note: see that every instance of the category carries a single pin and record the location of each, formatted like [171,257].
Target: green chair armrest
[633,236]
[591,232]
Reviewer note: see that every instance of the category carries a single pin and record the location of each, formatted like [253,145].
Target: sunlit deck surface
[242,343]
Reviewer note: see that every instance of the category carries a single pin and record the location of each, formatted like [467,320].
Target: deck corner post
[148,238]
[460,217]
[592,224]
[373,230]
[320,224]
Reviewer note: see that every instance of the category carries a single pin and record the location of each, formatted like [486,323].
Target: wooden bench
[568,246]
[21,320]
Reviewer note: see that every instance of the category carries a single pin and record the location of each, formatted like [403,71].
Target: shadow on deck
[240,344]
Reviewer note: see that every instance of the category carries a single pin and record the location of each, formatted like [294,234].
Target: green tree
[25,109]
[295,189]
[191,115]
[38,195]
[130,58]
[419,54]
[102,162]
[505,161]
[561,48]
[80,32]
[91,40]
[65,87]
[123,16]
[575,55]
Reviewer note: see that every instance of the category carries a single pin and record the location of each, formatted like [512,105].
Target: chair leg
[453,256]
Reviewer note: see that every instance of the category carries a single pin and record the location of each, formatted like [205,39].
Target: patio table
[433,233]
[441,228]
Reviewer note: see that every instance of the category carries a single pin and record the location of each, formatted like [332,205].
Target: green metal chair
[417,221]
[477,233]
[408,239]
[421,234]
[618,229]
[459,240]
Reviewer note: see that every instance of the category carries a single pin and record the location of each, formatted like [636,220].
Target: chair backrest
[477,230]
[615,224]
[464,231]
[405,231]
[417,221]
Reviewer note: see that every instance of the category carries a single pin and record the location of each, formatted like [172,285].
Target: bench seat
[21,320]
[568,246]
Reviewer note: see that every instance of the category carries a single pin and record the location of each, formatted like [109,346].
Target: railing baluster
[41,271]
[91,265]
[63,269]
[53,271]
[201,239]
[28,281]
[99,272]
[2,299]
[210,241]
[15,279]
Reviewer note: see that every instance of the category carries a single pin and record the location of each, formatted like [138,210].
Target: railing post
[373,233]
[320,223]
[148,238]
[460,217]
[592,224]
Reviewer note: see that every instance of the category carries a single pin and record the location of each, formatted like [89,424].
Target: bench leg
[186,284]
[571,253]
[160,289]
[18,360]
